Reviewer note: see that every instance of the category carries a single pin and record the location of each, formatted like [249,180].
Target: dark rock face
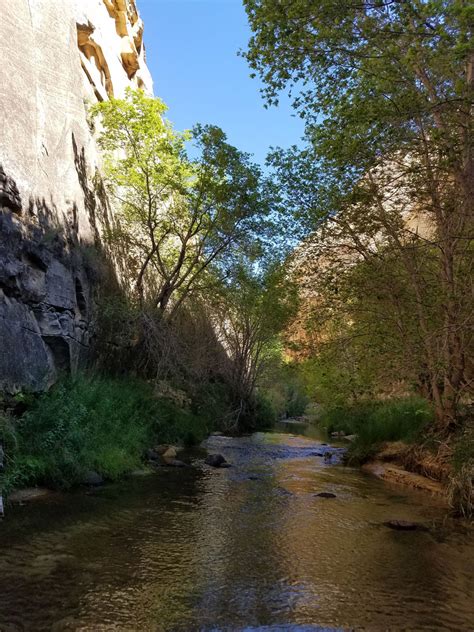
[9,194]
[45,302]
[216,460]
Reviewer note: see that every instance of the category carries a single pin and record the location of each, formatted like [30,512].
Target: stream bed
[246,548]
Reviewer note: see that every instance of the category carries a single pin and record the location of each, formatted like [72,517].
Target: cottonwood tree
[251,311]
[384,85]
[178,216]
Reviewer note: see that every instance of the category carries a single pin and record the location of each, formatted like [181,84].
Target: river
[246,548]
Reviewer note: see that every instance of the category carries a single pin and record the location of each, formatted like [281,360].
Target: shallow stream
[246,548]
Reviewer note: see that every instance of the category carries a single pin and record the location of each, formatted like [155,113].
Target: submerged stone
[405,525]
[215,460]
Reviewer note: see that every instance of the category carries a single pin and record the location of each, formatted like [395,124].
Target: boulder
[152,455]
[92,479]
[326,495]
[170,453]
[215,460]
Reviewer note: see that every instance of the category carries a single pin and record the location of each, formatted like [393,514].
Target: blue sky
[192,54]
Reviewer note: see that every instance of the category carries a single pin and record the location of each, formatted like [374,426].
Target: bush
[79,425]
[99,424]
[376,422]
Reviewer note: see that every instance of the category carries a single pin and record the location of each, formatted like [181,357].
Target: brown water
[206,549]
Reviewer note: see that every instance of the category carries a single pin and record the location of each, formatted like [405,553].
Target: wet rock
[252,477]
[174,463]
[339,433]
[224,465]
[326,495]
[405,525]
[327,457]
[217,434]
[152,455]
[316,454]
[281,491]
[170,453]
[215,460]
[92,479]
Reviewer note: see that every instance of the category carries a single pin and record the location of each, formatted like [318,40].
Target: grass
[461,482]
[99,424]
[377,422]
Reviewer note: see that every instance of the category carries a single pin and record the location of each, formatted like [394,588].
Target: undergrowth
[376,422]
[99,424]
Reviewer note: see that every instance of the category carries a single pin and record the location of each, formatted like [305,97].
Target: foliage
[387,179]
[250,312]
[375,422]
[99,424]
[180,216]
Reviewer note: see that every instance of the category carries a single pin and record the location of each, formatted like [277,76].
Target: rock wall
[57,57]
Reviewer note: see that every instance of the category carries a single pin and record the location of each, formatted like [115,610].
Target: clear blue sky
[192,54]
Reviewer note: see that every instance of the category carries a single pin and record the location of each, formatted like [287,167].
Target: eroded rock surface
[57,58]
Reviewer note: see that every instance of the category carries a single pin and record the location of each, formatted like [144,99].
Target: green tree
[179,216]
[251,312]
[387,90]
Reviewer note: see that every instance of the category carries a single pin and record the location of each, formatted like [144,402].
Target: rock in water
[326,495]
[215,460]
[405,525]
[170,453]
[174,463]
[92,479]
[152,455]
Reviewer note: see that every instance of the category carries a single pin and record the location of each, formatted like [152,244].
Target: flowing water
[246,548]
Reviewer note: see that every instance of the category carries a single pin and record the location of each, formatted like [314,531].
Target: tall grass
[99,424]
[376,422]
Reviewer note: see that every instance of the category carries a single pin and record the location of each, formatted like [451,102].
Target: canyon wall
[58,56]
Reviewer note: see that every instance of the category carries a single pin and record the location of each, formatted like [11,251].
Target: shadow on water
[246,548]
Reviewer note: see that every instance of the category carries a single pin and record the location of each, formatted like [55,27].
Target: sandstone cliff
[57,56]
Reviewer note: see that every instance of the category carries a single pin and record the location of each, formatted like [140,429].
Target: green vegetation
[384,187]
[95,423]
[376,422]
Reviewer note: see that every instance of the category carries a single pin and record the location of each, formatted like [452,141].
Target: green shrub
[376,422]
[97,423]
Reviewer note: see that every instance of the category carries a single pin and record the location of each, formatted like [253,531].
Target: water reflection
[246,548]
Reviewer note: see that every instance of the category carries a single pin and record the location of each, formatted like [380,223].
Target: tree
[178,215]
[387,90]
[251,311]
